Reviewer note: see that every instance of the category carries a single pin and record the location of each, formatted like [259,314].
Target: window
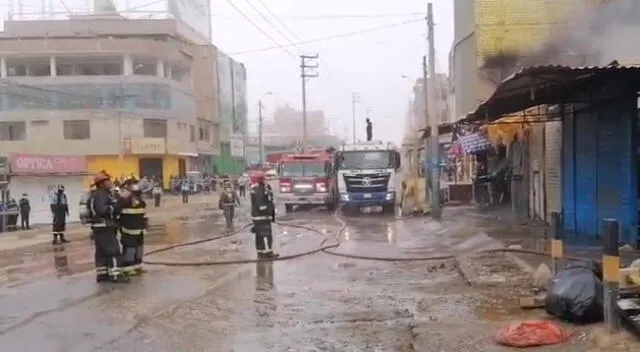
[192,133]
[303,169]
[13,131]
[363,160]
[76,129]
[155,128]
[204,134]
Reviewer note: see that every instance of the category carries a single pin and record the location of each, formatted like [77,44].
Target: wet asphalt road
[315,303]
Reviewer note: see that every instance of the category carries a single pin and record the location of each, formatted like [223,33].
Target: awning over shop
[544,85]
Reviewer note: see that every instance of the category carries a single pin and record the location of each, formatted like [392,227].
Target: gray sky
[371,63]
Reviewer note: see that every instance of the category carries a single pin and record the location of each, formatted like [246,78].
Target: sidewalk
[171,208]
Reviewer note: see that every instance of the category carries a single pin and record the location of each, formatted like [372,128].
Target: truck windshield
[293,169]
[363,160]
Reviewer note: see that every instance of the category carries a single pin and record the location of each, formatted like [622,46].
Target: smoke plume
[596,35]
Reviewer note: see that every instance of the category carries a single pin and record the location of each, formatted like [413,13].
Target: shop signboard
[237,145]
[194,13]
[38,164]
[144,146]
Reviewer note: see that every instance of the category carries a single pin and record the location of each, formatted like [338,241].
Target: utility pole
[436,211]
[260,144]
[307,67]
[355,99]
[427,147]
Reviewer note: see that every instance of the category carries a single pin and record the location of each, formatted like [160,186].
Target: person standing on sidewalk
[103,212]
[133,224]
[184,189]
[25,210]
[263,214]
[157,195]
[60,211]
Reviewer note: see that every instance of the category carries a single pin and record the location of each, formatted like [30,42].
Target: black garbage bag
[575,294]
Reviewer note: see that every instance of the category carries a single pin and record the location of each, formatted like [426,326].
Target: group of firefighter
[110,211]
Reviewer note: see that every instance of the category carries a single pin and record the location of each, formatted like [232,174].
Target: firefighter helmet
[100,177]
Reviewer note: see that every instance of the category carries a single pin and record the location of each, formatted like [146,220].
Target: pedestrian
[157,195]
[133,224]
[25,210]
[263,214]
[244,180]
[12,214]
[227,203]
[369,130]
[104,210]
[184,189]
[59,211]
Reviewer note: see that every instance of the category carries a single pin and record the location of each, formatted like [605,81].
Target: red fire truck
[304,179]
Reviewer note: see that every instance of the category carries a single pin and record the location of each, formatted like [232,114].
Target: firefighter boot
[119,279]
[269,253]
[103,278]
[63,239]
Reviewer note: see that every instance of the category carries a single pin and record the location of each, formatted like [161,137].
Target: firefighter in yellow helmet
[133,225]
[103,214]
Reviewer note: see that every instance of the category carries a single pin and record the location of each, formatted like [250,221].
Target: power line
[329,16]
[279,21]
[278,45]
[336,36]
[270,23]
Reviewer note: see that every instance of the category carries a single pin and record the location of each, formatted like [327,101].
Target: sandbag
[532,333]
[575,294]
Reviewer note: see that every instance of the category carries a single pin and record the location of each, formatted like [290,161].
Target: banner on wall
[194,13]
[237,145]
[239,96]
[225,95]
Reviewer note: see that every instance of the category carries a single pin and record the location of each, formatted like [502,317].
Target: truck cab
[366,176]
[304,180]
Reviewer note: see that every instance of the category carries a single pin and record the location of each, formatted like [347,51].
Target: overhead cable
[331,37]
[278,45]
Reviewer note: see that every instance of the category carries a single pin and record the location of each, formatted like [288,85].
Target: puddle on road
[503,309]
[45,260]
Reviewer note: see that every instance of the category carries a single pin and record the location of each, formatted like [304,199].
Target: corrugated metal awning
[539,85]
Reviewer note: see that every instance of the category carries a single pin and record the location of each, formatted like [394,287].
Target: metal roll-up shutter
[553,167]
[536,171]
[568,186]
[616,189]
[586,195]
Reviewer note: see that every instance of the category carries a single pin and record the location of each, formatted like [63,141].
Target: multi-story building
[232,98]
[133,96]
[287,126]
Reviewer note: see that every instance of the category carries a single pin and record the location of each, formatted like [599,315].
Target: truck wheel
[288,208]
[389,209]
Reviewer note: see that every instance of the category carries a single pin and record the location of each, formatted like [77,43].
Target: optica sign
[38,164]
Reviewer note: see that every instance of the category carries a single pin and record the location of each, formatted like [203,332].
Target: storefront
[39,175]
[141,157]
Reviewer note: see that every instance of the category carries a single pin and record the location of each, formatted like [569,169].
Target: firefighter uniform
[227,203]
[103,212]
[133,225]
[263,214]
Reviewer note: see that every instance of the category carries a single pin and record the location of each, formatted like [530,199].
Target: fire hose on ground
[326,246]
